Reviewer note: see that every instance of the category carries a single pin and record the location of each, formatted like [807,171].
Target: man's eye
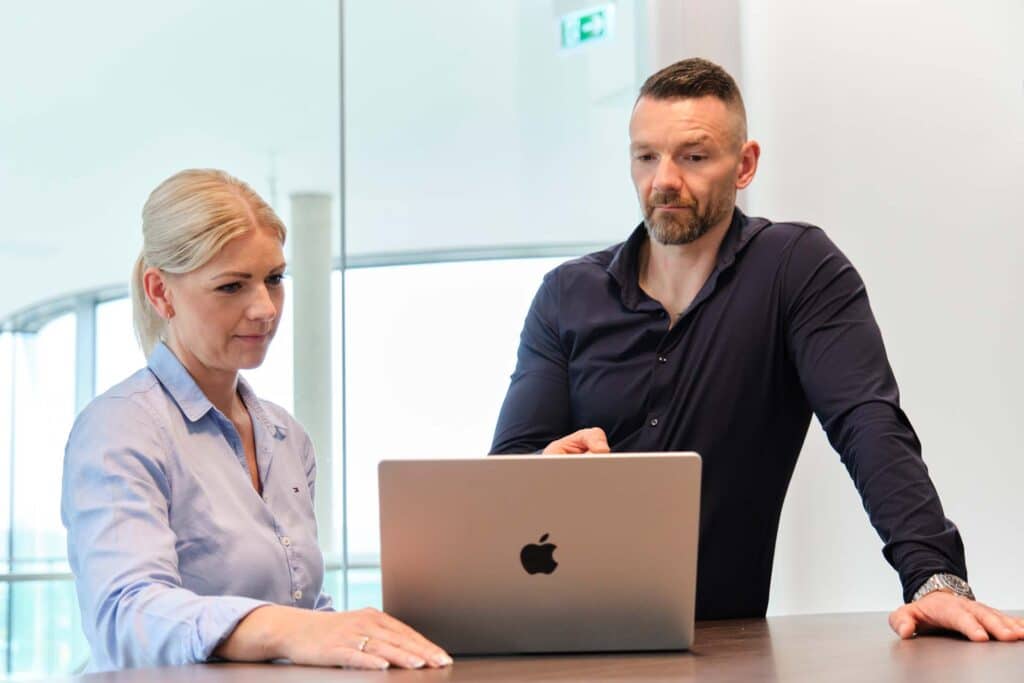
[696,157]
[230,288]
[644,157]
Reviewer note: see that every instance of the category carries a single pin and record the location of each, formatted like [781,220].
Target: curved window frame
[83,305]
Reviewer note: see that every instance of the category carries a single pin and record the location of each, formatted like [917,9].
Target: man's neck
[673,274]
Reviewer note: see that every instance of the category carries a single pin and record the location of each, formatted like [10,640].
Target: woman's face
[224,314]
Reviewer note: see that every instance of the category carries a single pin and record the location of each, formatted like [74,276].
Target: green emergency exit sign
[587,26]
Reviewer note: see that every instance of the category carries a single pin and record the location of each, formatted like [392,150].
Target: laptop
[529,554]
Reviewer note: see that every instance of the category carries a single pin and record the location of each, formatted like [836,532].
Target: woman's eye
[230,288]
[275,280]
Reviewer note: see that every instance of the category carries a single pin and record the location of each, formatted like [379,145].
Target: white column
[310,267]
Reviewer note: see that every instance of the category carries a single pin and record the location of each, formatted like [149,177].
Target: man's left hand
[942,610]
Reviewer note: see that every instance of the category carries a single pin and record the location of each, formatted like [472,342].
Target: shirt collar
[191,400]
[178,382]
[624,265]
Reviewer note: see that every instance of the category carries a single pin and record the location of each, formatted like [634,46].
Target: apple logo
[538,559]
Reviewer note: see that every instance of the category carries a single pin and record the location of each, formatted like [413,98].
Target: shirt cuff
[218,621]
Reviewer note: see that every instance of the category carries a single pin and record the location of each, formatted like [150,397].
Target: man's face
[687,163]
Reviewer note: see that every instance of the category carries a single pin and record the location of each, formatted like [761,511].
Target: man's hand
[592,440]
[942,610]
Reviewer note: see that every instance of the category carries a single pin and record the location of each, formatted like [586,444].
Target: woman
[188,500]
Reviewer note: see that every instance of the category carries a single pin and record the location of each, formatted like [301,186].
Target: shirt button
[285,541]
[297,595]
[662,359]
[654,422]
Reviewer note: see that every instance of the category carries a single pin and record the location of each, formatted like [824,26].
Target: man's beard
[675,227]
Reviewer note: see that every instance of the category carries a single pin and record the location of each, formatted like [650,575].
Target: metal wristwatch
[949,582]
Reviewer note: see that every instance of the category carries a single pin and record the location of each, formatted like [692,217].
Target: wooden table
[829,647]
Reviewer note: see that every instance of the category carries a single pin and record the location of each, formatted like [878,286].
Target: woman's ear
[154,282]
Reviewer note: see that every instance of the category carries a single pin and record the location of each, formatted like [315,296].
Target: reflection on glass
[117,352]
[429,350]
[5,635]
[47,638]
[6,403]
[44,383]
[364,588]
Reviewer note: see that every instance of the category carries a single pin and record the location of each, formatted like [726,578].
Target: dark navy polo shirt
[781,328]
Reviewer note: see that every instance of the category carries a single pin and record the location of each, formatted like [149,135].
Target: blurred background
[433,161]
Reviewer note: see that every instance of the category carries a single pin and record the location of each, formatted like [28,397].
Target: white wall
[898,126]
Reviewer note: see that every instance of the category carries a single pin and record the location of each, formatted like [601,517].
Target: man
[711,331]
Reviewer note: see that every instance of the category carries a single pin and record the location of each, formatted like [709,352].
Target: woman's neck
[219,386]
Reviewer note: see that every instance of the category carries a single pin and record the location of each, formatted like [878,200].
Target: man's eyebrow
[697,140]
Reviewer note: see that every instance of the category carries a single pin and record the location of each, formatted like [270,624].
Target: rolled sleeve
[122,549]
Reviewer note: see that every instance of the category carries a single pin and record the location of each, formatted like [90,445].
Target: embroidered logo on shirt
[295,489]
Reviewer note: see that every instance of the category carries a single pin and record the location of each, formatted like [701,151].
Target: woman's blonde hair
[187,219]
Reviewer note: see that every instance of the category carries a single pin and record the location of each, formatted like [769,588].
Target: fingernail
[445,660]
[980,633]
[384,665]
[416,663]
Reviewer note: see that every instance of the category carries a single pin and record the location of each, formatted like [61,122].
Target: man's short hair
[692,78]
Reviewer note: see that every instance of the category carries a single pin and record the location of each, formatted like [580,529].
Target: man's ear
[154,283]
[749,155]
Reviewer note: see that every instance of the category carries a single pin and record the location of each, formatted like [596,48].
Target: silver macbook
[516,554]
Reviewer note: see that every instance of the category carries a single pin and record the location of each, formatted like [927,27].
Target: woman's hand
[362,639]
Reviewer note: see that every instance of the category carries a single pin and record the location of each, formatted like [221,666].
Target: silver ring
[362,643]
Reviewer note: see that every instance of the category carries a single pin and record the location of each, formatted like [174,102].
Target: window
[429,352]
[117,352]
[44,384]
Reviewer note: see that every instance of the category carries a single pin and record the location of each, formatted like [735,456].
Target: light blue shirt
[170,543]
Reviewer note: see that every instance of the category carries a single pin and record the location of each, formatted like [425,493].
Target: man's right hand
[592,440]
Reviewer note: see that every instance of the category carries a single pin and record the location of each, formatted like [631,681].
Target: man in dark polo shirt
[712,331]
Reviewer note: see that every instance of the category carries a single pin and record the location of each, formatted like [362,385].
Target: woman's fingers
[399,635]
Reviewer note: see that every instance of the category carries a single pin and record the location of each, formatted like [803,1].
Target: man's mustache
[666,200]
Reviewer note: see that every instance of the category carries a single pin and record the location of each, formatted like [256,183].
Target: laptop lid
[515,554]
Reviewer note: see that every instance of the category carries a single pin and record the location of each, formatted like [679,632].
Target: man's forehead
[693,117]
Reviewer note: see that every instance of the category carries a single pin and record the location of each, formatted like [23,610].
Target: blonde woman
[188,500]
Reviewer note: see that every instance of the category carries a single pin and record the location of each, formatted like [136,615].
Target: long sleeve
[837,349]
[536,410]
[122,549]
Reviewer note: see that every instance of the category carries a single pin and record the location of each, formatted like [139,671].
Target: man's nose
[667,175]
